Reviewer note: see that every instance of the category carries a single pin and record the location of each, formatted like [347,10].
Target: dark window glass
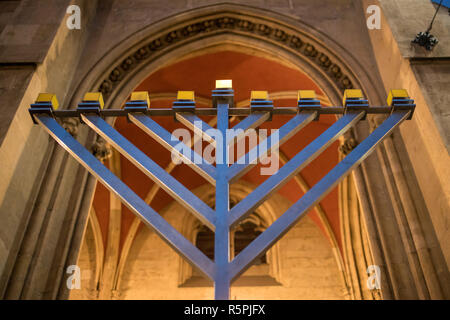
[245,233]
[205,241]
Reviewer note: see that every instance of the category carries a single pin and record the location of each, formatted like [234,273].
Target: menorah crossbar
[222,271]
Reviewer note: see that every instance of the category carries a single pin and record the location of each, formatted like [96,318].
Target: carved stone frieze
[283,37]
[347,146]
[101,149]
[71,125]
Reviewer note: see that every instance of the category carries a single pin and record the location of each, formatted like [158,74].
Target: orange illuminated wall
[199,74]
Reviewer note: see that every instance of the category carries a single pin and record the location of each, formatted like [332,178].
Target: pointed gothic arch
[266,33]
[236,28]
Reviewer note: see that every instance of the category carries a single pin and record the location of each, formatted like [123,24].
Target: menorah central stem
[222,235]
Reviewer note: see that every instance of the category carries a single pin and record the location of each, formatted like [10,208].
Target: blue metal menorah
[221,219]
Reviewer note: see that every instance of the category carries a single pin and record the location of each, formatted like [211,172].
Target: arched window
[244,234]
[205,241]
[265,270]
[241,237]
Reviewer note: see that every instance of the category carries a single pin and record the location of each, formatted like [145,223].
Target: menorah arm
[153,129]
[292,167]
[197,125]
[284,223]
[180,193]
[130,199]
[252,121]
[246,162]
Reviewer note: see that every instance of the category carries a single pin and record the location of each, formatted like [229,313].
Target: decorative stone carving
[376,294]
[285,37]
[101,149]
[347,146]
[71,125]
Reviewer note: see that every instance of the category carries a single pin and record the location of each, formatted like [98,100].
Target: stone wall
[426,76]
[34,58]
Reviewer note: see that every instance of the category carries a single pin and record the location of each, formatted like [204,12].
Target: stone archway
[225,28]
[266,213]
[243,28]
[326,62]
[201,97]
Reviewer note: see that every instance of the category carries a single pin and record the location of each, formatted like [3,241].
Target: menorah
[222,219]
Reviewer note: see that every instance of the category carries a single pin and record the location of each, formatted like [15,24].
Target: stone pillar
[44,195]
[356,250]
[409,260]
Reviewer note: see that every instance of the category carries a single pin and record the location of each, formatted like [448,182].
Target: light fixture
[307,101]
[223,93]
[260,102]
[185,102]
[426,39]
